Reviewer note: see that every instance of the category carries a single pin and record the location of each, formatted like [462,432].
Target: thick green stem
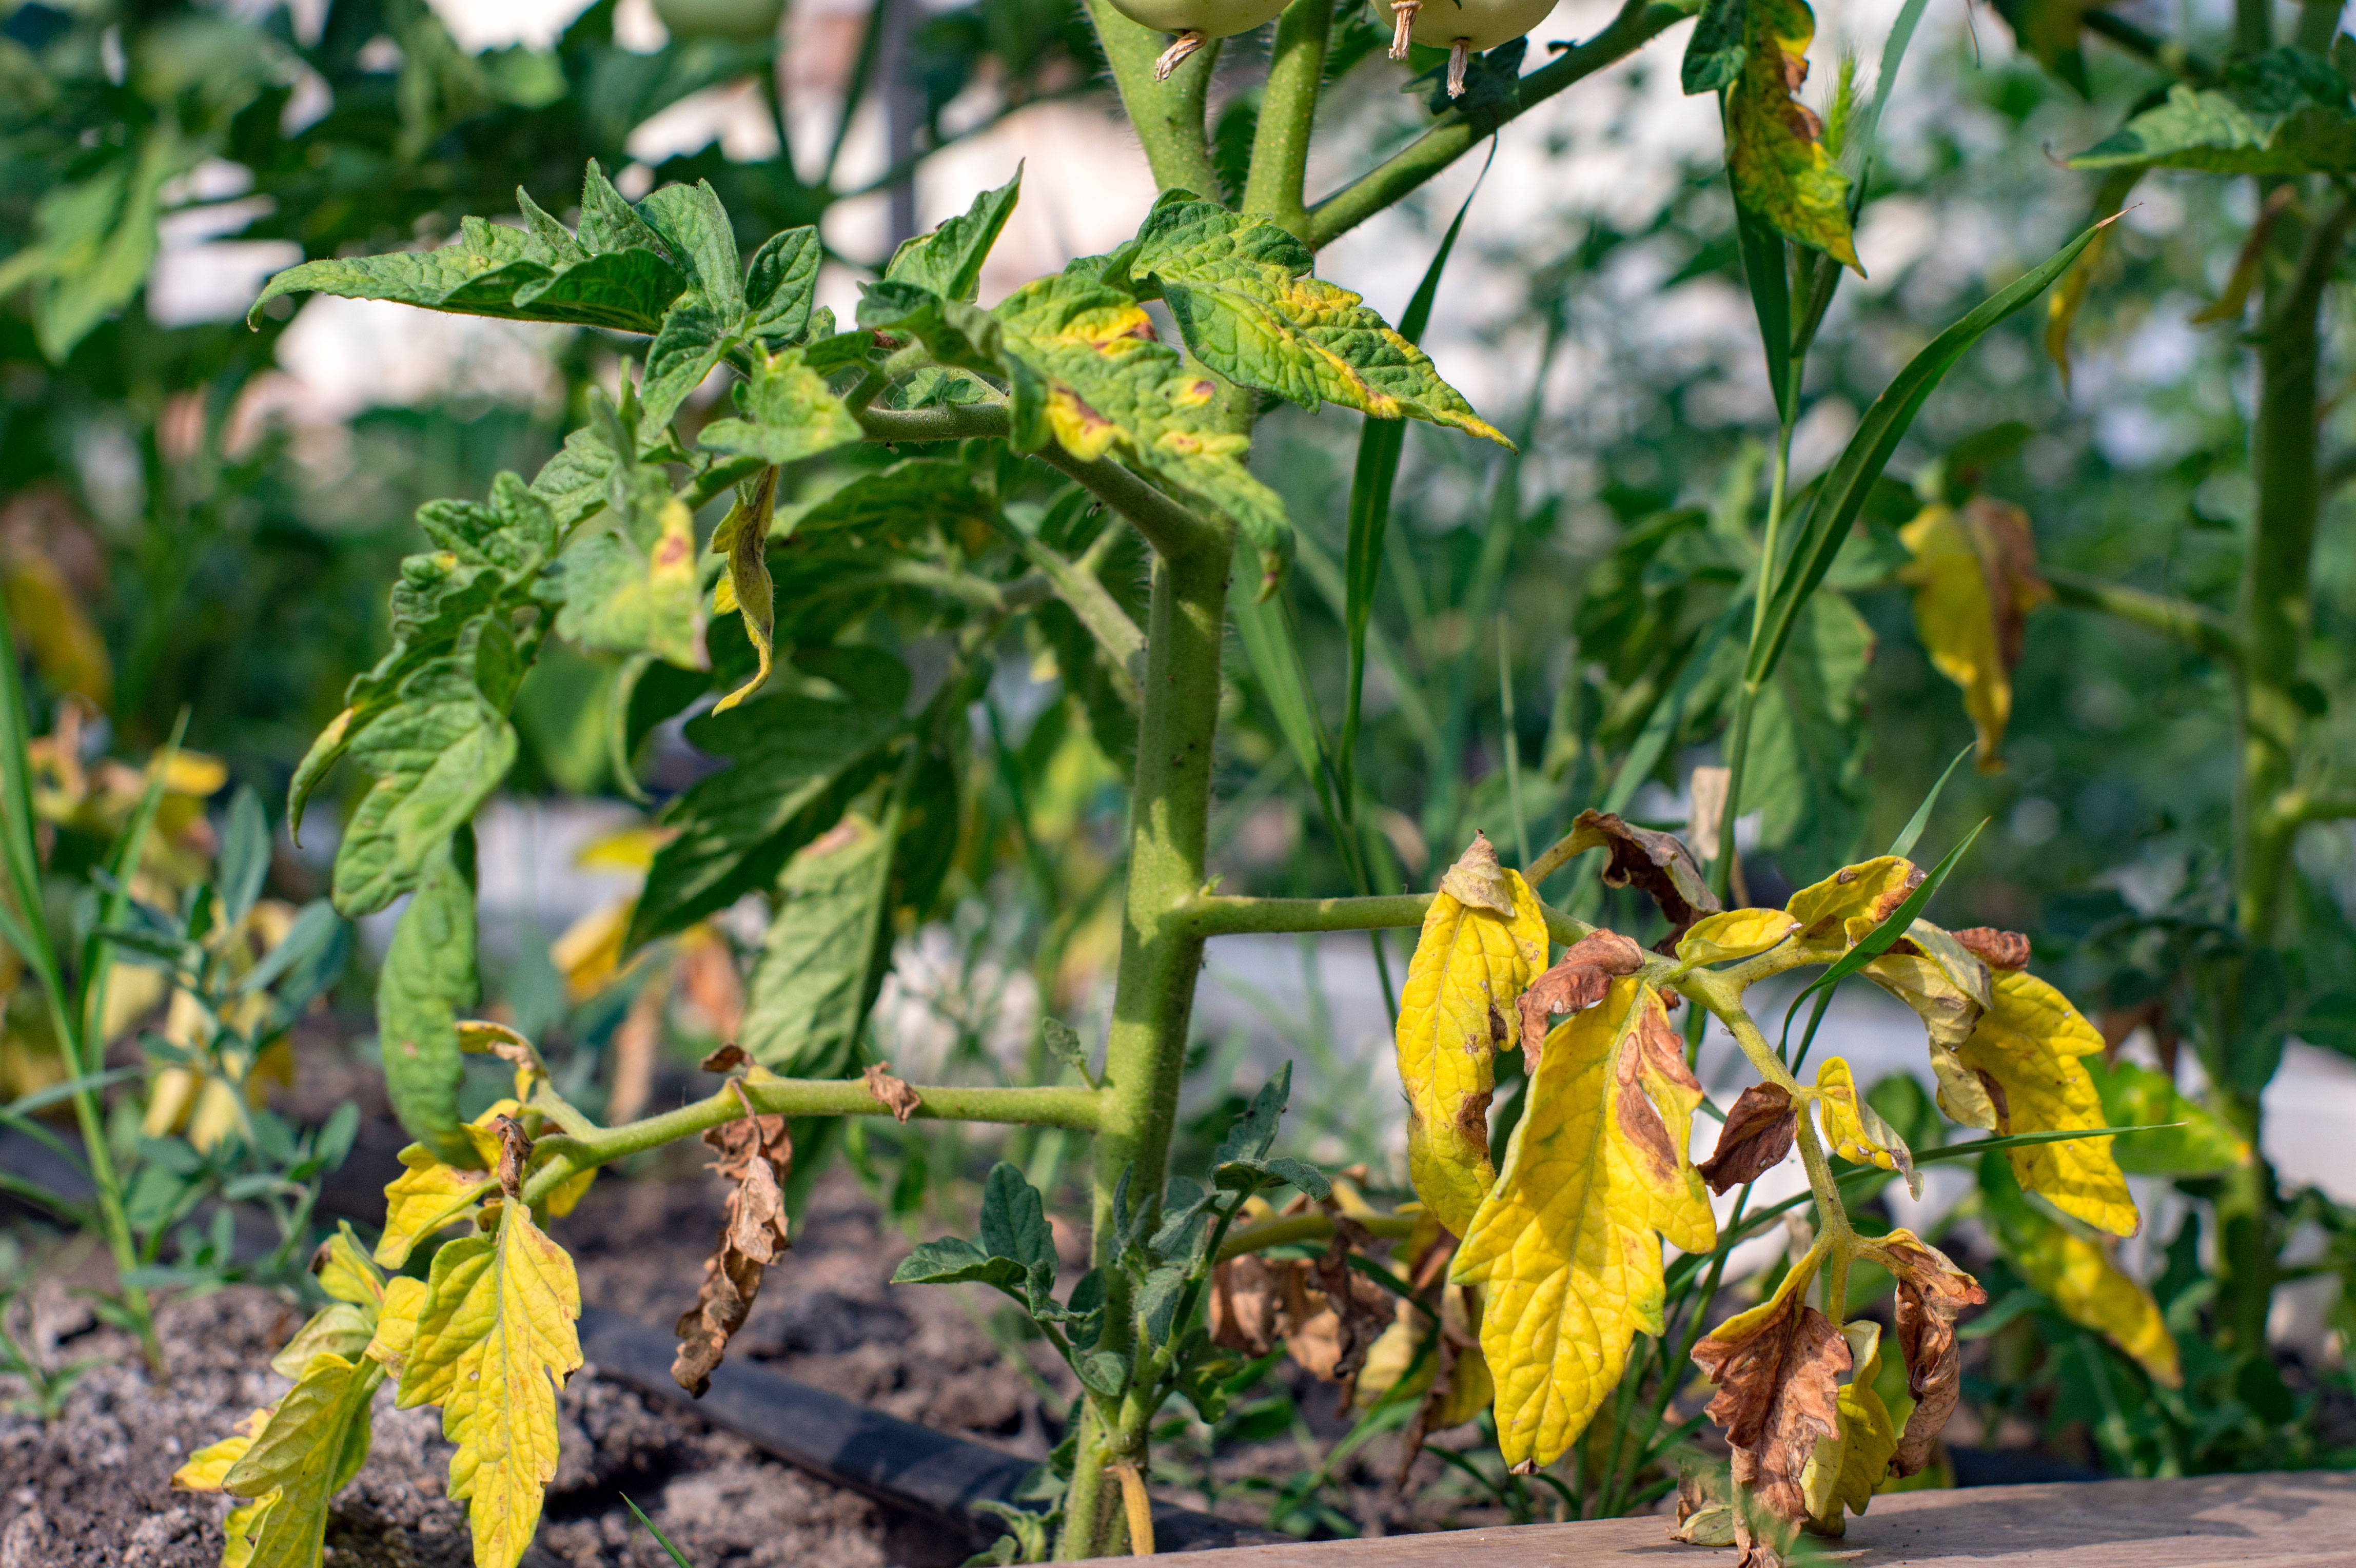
[1166,115]
[2202,629]
[1738,743]
[1279,161]
[1221,914]
[1458,130]
[1153,995]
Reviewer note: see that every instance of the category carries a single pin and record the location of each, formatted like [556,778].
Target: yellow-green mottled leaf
[338,1328]
[314,1442]
[1472,962]
[1734,934]
[437,754]
[208,1466]
[1856,1131]
[494,1341]
[1567,1244]
[2078,1274]
[1241,291]
[1950,989]
[634,589]
[785,413]
[2285,111]
[425,1197]
[345,1273]
[1774,143]
[396,1324]
[1870,890]
[2028,1048]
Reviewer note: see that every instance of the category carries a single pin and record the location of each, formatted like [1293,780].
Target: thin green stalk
[1223,915]
[1288,110]
[1513,744]
[1738,744]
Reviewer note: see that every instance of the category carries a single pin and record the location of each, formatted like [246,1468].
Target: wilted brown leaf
[1931,1292]
[515,1148]
[756,1154]
[1757,1135]
[1336,1320]
[1247,1303]
[1657,861]
[893,1094]
[1997,949]
[727,1059]
[1576,982]
[1778,1368]
[1705,1505]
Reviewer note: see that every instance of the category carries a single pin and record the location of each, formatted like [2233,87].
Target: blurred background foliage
[181,534]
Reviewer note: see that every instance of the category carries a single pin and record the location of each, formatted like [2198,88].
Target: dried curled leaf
[1565,1245]
[1757,1136]
[1774,144]
[1975,579]
[1484,941]
[1247,1303]
[1846,1468]
[1778,1368]
[1578,980]
[1931,1292]
[892,1093]
[757,1154]
[1997,949]
[1657,863]
[1335,1320]
[1856,1131]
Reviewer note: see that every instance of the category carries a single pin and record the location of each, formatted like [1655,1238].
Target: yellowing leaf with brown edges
[1774,145]
[1778,1368]
[1735,934]
[1846,1468]
[1565,1245]
[1484,941]
[494,1341]
[1856,1131]
[1949,988]
[1975,579]
[2025,1051]
[1870,889]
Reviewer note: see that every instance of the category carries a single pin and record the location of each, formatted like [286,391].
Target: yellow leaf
[338,1328]
[589,953]
[243,1530]
[625,849]
[1857,1132]
[345,1273]
[1975,580]
[481,1133]
[209,1466]
[1848,1467]
[1873,889]
[396,1323]
[743,537]
[1565,1242]
[1950,989]
[425,1197]
[1484,941]
[570,1192]
[313,1445]
[2025,1051]
[494,1341]
[1735,934]
[52,623]
[2079,1276]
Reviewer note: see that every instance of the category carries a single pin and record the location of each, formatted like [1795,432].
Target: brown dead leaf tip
[1657,863]
[1996,949]
[1247,1303]
[1931,1292]
[755,1153]
[1578,981]
[727,1059]
[1655,1049]
[1887,905]
[1757,1135]
[515,1149]
[892,1094]
[1477,881]
[1779,1391]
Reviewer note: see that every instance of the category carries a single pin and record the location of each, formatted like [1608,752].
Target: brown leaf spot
[1655,1048]
[1757,1135]
[893,1094]
[1996,949]
[1779,1388]
[756,1154]
[1887,905]
[515,1148]
[726,1058]
[1576,982]
[1996,1098]
[1473,1121]
[1931,1292]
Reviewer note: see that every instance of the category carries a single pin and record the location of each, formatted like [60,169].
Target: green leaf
[1242,294]
[1807,759]
[2199,1145]
[339,1329]
[787,413]
[1254,1132]
[1842,493]
[948,262]
[428,982]
[951,1261]
[2285,111]
[437,754]
[245,859]
[678,1558]
[1104,1372]
[1774,149]
[695,230]
[1715,53]
[1765,267]
[1014,1225]
[313,1444]
[823,958]
[635,588]
[779,286]
[694,337]
[96,240]
[898,503]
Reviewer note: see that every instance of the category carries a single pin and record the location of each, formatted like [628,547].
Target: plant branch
[1288,110]
[1166,115]
[2202,629]
[1457,132]
[1227,915]
[1314,1226]
[1093,604]
[2166,53]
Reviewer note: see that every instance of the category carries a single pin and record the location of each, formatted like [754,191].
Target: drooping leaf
[1757,1136]
[1950,989]
[1657,863]
[1577,981]
[1483,940]
[948,262]
[1564,1242]
[2285,111]
[2078,1275]
[494,1341]
[1242,294]
[2025,1052]
[743,540]
[427,983]
[1975,579]
[823,958]
[1774,144]
[2061,309]
[1778,1368]
[314,1442]
[1856,1131]
[1843,1472]
[756,1157]
[1931,1292]
[2199,1144]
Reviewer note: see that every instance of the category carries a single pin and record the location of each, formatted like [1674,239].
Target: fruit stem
[1403,14]
[1183,45]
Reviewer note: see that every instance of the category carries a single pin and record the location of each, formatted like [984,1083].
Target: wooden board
[2289,1520]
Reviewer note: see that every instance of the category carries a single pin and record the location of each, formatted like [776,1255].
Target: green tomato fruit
[1478,25]
[750,19]
[1209,19]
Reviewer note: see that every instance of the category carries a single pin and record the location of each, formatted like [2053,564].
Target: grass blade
[1842,494]
[661,1540]
[1904,843]
[121,864]
[1766,268]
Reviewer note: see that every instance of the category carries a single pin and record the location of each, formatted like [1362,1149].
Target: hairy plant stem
[1166,115]
[1288,110]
